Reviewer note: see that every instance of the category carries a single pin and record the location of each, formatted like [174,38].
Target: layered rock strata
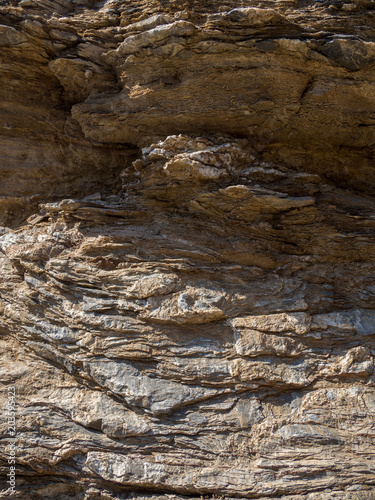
[189,308]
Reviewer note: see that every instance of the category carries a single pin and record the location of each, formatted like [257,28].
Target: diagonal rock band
[187,251]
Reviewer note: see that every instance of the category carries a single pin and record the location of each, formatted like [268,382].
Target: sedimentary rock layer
[187,256]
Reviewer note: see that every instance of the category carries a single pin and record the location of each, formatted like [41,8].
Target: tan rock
[187,252]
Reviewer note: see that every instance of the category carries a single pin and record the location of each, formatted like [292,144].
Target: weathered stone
[352,54]
[187,249]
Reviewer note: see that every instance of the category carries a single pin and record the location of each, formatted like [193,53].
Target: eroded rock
[188,309]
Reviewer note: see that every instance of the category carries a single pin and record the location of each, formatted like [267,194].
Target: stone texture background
[187,298]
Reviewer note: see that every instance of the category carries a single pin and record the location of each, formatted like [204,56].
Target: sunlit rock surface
[187,251]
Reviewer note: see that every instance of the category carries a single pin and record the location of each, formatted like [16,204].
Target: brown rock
[187,300]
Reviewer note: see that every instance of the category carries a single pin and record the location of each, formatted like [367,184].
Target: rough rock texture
[189,309]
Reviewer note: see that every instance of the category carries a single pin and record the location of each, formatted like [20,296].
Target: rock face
[189,308]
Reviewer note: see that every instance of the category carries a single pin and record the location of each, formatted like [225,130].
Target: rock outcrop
[187,251]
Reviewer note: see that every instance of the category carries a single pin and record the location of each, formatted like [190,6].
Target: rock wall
[187,251]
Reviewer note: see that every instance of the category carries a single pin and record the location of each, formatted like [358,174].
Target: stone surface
[187,251]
